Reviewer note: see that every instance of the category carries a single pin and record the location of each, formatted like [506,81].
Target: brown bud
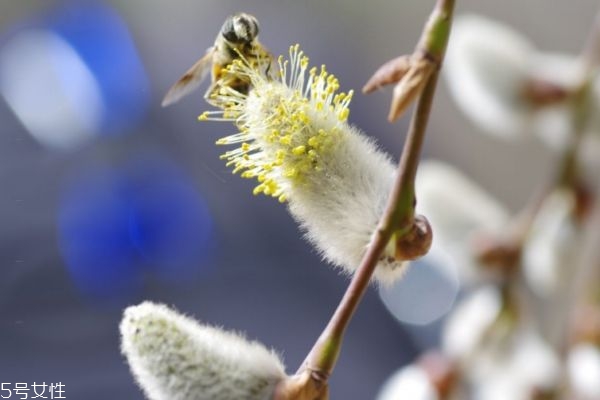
[442,372]
[539,93]
[584,201]
[410,73]
[410,87]
[586,327]
[542,393]
[497,254]
[390,72]
[416,242]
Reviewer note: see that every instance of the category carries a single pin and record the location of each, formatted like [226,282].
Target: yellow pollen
[299,150]
[258,189]
[279,154]
[290,173]
[344,114]
[288,125]
[286,140]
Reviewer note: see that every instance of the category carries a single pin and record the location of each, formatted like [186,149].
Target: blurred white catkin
[173,357]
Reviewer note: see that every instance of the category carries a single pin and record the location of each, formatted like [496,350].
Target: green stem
[437,30]
[403,213]
[399,212]
[433,44]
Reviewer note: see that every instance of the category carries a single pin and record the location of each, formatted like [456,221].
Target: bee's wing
[190,80]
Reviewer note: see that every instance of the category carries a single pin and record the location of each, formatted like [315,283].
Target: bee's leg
[211,94]
[268,70]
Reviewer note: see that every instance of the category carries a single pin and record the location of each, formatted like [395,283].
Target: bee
[238,38]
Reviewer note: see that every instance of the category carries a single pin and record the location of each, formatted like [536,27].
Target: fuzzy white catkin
[485,67]
[553,123]
[550,264]
[457,208]
[339,208]
[551,247]
[411,383]
[469,322]
[515,368]
[583,366]
[497,363]
[173,357]
[296,143]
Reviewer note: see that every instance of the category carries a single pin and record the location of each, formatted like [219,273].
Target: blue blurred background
[108,199]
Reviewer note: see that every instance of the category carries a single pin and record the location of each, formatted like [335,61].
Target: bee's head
[240,28]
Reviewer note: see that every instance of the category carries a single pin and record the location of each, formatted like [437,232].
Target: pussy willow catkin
[295,141]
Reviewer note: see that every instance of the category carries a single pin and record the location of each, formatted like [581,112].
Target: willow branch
[399,212]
